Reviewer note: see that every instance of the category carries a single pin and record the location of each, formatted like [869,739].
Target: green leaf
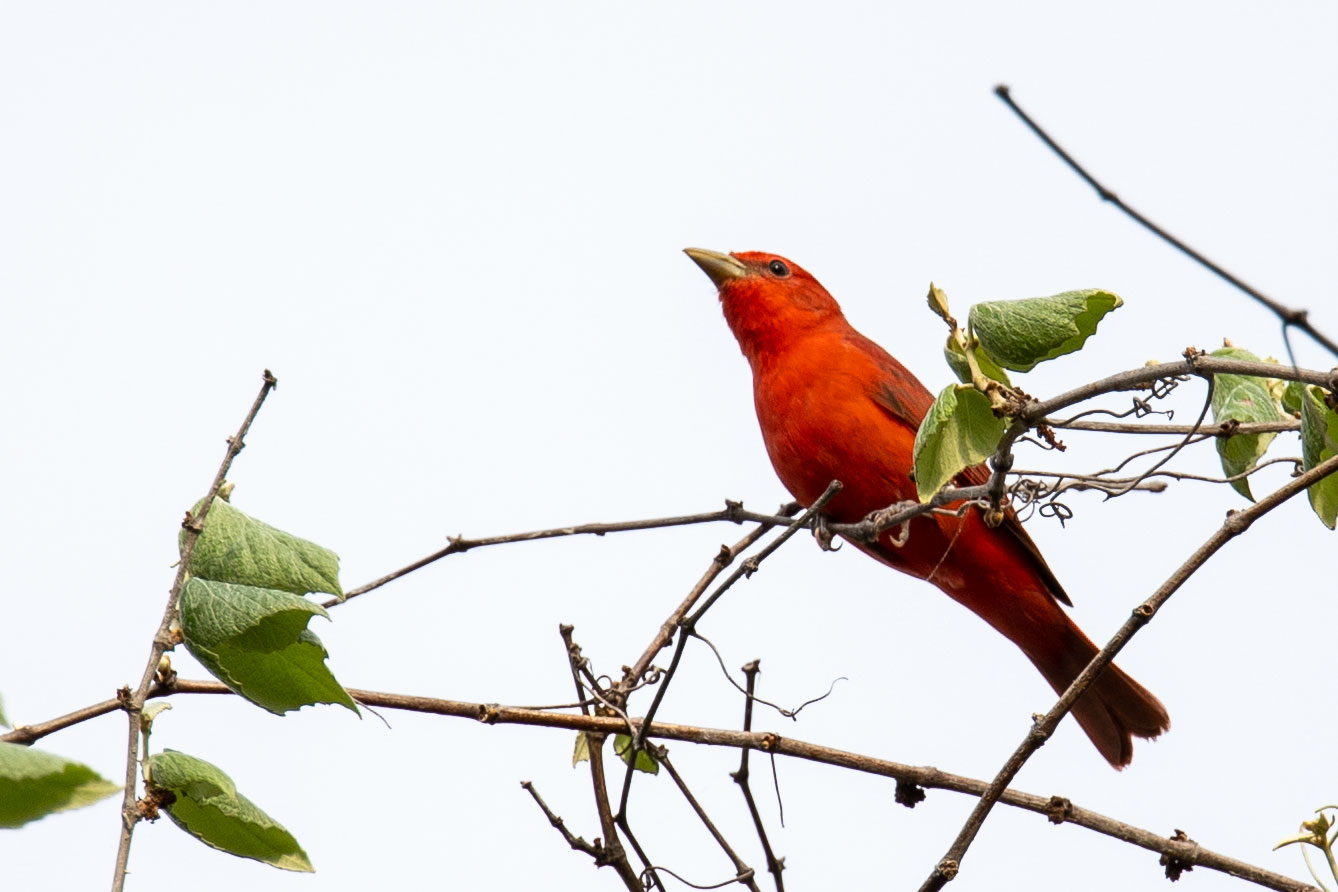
[237,548]
[622,745]
[1244,399]
[34,784]
[1319,441]
[1018,334]
[1292,395]
[582,751]
[4,722]
[960,430]
[209,808]
[956,357]
[256,641]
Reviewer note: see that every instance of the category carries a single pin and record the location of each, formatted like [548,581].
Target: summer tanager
[833,405]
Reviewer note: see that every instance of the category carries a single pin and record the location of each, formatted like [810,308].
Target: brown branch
[26,734]
[746,569]
[741,777]
[614,854]
[133,701]
[743,874]
[732,513]
[576,842]
[1033,412]
[1037,410]
[1289,316]
[771,743]
[665,636]
[1225,429]
[1236,523]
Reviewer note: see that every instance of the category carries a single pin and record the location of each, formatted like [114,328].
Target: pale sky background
[453,233]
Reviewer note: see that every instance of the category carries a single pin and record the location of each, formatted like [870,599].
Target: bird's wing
[901,395]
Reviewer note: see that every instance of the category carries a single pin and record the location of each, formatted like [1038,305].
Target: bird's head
[767,299]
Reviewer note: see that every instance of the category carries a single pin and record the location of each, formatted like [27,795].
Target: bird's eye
[778,268]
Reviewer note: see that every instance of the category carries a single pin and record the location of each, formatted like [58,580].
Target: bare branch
[612,850]
[741,777]
[1290,317]
[771,743]
[576,842]
[743,874]
[1236,523]
[732,512]
[1225,429]
[665,636]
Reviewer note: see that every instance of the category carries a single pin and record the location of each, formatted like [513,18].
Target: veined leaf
[256,642]
[208,807]
[237,548]
[1018,334]
[959,430]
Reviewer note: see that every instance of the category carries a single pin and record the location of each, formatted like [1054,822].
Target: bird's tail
[1114,709]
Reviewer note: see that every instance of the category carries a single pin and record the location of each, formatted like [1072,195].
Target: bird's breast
[820,424]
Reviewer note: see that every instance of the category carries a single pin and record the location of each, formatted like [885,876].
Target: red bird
[833,405]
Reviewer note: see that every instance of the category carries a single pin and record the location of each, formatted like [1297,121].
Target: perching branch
[1236,523]
[1289,317]
[1029,413]
[133,701]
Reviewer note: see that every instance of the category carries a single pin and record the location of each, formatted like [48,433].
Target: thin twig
[771,743]
[1032,412]
[747,568]
[732,513]
[576,842]
[1225,429]
[743,874]
[1289,316]
[741,777]
[1236,523]
[26,734]
[614,854]
[1176,448]
[665,636]
[1065,481]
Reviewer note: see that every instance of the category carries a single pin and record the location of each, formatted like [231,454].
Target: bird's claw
[823,534]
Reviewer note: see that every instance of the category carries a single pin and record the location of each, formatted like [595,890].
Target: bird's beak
[719,267]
